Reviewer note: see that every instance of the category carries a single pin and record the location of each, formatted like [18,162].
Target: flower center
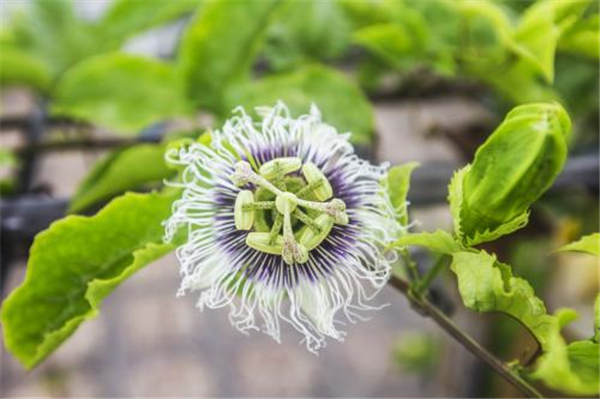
[290,209]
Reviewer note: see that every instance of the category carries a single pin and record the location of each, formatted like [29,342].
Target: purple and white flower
[284,223]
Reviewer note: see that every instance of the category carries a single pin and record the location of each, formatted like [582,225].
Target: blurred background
[92,92]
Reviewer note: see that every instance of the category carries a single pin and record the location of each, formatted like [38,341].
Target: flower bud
[260,242]
[243,218]
[514,167]
[312,174]
[280,167]
[310,238]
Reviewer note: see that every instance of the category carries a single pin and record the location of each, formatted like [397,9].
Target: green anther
[243,219]
[337,209]
[304,218]
[280,167]
[293,252]
[286,202]
[259,206]
[261,242]
[312,174]
[309,239]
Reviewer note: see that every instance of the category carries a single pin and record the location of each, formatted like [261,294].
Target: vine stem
[427,309]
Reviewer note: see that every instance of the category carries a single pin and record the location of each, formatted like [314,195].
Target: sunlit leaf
[122,92]
[393,43]
[540,29]
[486,285]
[123,170]
[398,182]
[333,92]
[583,38]
[52,32]
[74,264]
[20,68]
[219,47]
[126,18]
[306,31]
[439,241]
[588,244]
[597,319]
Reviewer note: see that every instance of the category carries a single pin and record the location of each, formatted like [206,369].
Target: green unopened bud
[514,167]
[261,242]
[311,238]
[313,175]
[243,218]
[280,167]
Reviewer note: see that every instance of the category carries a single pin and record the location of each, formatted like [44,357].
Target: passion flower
[284,222]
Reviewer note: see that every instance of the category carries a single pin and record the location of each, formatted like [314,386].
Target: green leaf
[535,40]
[505,228]
[597,319]
[8,159]
[126,18]
[52,32]
[455,198]
[582,38]
[438,241]
[306,31]
[341,102]
[20,68]
[398,182]
[417,353]
[120,92]
[589,244]
[584,357]
[74,264]
[486,285]
[219,47]
[125,169]
[392,43]
[540,29]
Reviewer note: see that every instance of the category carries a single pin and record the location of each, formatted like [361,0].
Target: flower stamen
[272,177]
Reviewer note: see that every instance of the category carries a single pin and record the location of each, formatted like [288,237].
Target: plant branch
[429,310]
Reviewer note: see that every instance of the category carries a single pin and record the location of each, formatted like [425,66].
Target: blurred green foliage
[417,353]
[254,53]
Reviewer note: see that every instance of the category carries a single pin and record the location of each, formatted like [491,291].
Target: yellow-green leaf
[588,244]
[74,264]
[439,241]
[122,92]
[398,183]
[486,285]
[219,47]
[341,102]
[125,169]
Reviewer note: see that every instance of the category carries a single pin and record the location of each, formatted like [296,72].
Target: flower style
[284,222]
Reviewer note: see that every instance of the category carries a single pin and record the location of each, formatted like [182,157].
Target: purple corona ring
[284,223]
